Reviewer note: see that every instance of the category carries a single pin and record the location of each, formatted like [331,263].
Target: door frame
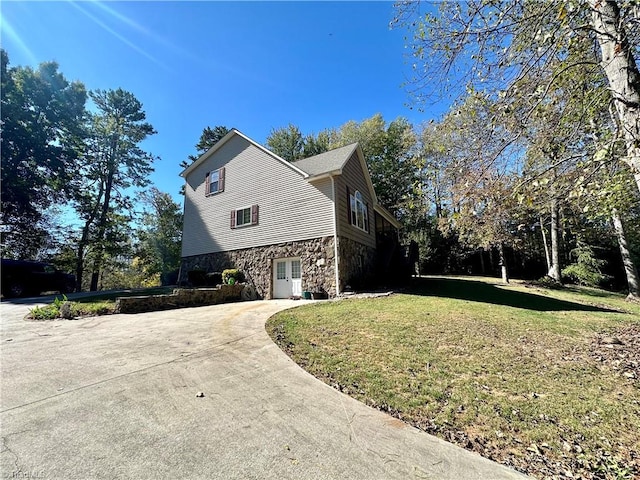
[288,274]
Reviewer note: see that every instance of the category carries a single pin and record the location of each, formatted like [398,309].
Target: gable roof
[327,162]
[332,163]
[310,168]
[232,133]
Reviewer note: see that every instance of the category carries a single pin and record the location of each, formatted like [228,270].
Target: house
[310,225]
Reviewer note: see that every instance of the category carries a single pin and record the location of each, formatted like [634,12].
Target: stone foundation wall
[357,264]
[180,298]
[316,262]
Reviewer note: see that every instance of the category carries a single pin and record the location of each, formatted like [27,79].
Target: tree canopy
[42,137]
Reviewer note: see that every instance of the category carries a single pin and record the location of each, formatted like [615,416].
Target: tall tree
[316,144]
[41,129]
[390,154]
[495,46]
[113,164]
[208,138]
[480,173]
[610,25]
[160,236]
[287,142]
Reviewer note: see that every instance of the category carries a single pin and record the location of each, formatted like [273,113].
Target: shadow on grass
[476,291]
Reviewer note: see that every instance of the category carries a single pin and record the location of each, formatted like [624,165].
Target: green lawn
[518,374]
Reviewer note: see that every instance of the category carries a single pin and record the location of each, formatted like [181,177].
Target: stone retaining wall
[181,297]
[316,262]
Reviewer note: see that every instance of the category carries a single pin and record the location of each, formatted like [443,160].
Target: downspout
[336,261]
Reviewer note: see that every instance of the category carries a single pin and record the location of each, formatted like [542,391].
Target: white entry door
[287,278]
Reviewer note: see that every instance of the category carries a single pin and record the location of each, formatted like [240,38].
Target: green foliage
[76,309]
[287,142]
[612,466]
[126,273]
[388,148]
[48,312]
[160,236]
[230,273]
[113,163]
[42,135]
[390,155]
[208,138]
[100,304]
[587,269]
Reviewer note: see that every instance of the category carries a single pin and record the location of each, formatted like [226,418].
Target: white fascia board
[209,152]
[225,139]
[387,215]
[367,176]
[320,176]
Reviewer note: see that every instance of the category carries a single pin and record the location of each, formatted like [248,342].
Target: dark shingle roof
[326,162]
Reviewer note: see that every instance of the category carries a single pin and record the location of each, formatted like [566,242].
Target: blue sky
[250,65]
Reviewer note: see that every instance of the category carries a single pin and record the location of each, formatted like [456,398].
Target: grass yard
[530,377]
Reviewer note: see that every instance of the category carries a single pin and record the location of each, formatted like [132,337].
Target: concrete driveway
[115,397]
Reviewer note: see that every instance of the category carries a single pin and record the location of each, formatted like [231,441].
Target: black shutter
[254,214]
[233,219]
[348,206]
[206,183]
[368,218]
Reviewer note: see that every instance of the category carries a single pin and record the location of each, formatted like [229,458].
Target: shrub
[234,273]
[587,270]
[48,312]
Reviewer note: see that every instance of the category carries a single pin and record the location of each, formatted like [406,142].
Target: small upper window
[214,181]
[359,211]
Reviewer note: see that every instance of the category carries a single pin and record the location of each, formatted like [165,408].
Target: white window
[281,270]
[359,212]
[214,181]
[244,216]
[295,269]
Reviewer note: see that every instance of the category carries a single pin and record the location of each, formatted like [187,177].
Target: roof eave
[224,140]
[209,152]
[320,176]
[387,215]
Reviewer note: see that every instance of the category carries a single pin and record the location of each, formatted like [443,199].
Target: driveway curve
[193,393]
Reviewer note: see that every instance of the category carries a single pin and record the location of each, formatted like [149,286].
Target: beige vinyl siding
[290,208]
[353,177]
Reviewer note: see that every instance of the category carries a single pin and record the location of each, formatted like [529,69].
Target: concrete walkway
[115,397]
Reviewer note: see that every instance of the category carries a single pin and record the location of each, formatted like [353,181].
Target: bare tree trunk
[492,262]
[483,267]
[629,267]
[554,271]
[504,271]
[84,240]
[104,214]
[622,73]
[547,257]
